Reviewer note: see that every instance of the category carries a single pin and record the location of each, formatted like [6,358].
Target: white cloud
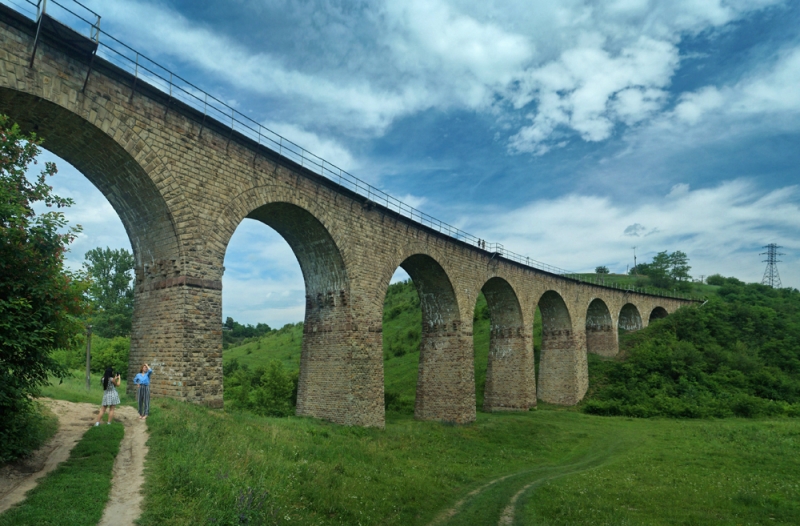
[588,89]
[721,229]
[262,280]
[550,69]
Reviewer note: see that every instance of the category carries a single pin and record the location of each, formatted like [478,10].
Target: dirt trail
[125,500]
[74,419]
[18,478]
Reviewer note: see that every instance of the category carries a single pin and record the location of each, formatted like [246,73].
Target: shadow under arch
[326,383]
[445,381]
[143,208]
[563,369]
[601,338]
[629,318]
[657,313]
[510,377]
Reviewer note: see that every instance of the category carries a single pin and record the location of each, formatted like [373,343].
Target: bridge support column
[602,340]
[176,330]
[341,365]
[446,380]
[510,378]
[563,371]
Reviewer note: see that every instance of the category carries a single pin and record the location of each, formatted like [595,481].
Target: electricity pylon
[771,276]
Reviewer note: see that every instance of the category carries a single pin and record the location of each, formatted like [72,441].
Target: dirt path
[74,419]
[18,478]
[124,503]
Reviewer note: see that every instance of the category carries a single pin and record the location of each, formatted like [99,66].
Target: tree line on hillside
[234,333]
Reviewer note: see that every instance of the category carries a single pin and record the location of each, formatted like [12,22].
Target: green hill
[736,355]
[402,326]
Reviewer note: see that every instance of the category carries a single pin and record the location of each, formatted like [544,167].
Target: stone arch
[138,195]
[510,378]
[445,381]
[244,204]
[657,313]
[601,338]
[338,380]
[563,370]
[141,190]
[629,318]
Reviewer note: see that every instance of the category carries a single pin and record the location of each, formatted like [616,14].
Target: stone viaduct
[182,184]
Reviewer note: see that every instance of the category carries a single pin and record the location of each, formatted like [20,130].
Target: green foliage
[601,270]
[234,333]
[111,290]
[39,300]
[737,355]
[76,492]
[666,271]
[266,391]
[106,352]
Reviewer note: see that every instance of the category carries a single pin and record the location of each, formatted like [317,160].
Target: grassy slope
[402,324]
[75,493]
[214,467]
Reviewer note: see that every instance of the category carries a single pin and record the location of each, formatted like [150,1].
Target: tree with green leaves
[111,290]
[40,301]
[666,271]
[601,270]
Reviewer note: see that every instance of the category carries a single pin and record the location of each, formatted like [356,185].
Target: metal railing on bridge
[177,88]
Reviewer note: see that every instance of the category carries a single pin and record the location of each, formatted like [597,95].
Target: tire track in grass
[495,502]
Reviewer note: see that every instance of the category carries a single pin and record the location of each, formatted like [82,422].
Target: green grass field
[549,466]
[211,467]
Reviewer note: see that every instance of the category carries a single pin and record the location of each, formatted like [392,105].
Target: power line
[771,276]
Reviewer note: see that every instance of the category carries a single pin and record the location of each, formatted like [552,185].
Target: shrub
[737,355]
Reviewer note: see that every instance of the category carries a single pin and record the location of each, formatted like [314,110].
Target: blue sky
[568,131]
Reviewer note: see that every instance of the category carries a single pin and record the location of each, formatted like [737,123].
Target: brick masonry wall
[181,189]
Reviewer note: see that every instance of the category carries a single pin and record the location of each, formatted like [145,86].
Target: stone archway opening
[658,313]
[401,336]
[563,370]
[142,207]
[444,387]
[629,318]
[510,382]
[601,338]
[323,385]
[263,313]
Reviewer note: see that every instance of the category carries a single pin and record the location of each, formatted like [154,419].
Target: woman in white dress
[110,395]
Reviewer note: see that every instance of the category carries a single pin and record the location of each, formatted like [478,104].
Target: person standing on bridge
[142,381]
